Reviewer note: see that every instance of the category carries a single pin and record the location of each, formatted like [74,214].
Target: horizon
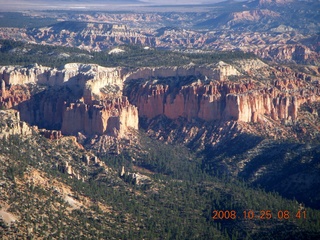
[109,5]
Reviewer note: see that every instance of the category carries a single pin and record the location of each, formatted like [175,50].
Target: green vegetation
[18,53]
[177,204]
[184,188]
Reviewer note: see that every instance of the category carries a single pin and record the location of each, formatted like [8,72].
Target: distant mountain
[19,5]
[217,139]
[83,1]
[176,2]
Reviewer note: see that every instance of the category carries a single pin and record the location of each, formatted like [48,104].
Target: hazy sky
[16,5]
[180,1]
[158,2]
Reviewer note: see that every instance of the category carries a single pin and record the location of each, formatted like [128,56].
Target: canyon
[70,100]
[139,124]
[255,26]
[251,105]
[277,45]
[94,100]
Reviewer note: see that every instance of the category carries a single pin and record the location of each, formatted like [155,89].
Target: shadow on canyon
[45,108]
[285,167]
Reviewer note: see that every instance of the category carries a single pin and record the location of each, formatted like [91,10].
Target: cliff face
[245,100]
[281,43]
[10,97]
[77,98]
[10,124]
[111,117]
[253,15]
[287,53]
[219,71]
[88,35]
[87,76]
[88,98]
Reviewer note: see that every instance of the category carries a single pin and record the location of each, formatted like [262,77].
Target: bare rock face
[111,117]
[245,100]
[89,35]
[287,53]
[90,96]
[218,71]
[3,89]
[253,15]
[267,27]
[83,98]
[51,134]
[268,2]
[91,101]
[90,76]
[250,107]
[10,124]
[11,97]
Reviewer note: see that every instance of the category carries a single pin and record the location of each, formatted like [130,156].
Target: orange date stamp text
[262,214]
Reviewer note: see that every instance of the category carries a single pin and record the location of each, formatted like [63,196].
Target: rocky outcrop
[269,2]
[218,71]
[216,100]
[91,101]
[266,25]
[3,89]
[111,117]
[287,53]
[252,106]
[51,134]
[90,77]
[89,35]
[83,98]
[253,15]
[281,44]
[10,124]
[11,97]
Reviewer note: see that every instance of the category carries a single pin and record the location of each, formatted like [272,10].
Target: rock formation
[111,117]
[253,15]
[71,74]
[50,134]
[268,28]
[88,99]
[77,98]
[211,99]
[10,124]
[267,2]
[219,71]
[3,89]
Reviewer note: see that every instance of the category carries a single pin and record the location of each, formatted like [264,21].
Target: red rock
[223,100]
[111,117]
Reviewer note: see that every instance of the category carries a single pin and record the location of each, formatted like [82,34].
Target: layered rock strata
[218,71]
[216,100]
[262,32]
[111,117]
[89,77]
[77,98]
[88,98]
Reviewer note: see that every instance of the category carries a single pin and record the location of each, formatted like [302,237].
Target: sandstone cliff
[89,77]
[76,98]
[219,71]
[209,99]
[88,98]
[10,124]
[111,117]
